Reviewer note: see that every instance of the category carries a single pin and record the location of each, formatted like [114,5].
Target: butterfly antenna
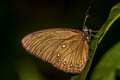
[86,17]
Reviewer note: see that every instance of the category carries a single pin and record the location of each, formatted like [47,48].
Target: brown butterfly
[66,49]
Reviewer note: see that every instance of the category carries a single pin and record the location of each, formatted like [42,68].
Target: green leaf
[113,16]
[108,65]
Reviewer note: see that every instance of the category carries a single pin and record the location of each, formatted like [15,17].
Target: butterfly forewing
[66,49]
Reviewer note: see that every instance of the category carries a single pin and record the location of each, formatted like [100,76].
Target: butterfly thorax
[86,34]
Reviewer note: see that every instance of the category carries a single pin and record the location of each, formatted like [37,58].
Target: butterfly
[66,49]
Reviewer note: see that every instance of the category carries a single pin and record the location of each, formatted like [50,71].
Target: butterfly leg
[93,31]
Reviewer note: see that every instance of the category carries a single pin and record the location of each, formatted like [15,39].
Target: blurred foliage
[109,66]
[27,70]
[113,16]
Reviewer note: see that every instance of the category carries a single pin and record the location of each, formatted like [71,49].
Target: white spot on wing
[63,46]
[58,54]
[59,60]
[77,65]
[70,65]
[64,63]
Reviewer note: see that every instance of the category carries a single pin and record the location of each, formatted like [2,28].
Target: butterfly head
[86,32]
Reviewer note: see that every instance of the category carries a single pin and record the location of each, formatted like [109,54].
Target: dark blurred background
[20,17]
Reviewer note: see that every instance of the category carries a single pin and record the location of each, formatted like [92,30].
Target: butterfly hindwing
[64,48]
[73,57]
